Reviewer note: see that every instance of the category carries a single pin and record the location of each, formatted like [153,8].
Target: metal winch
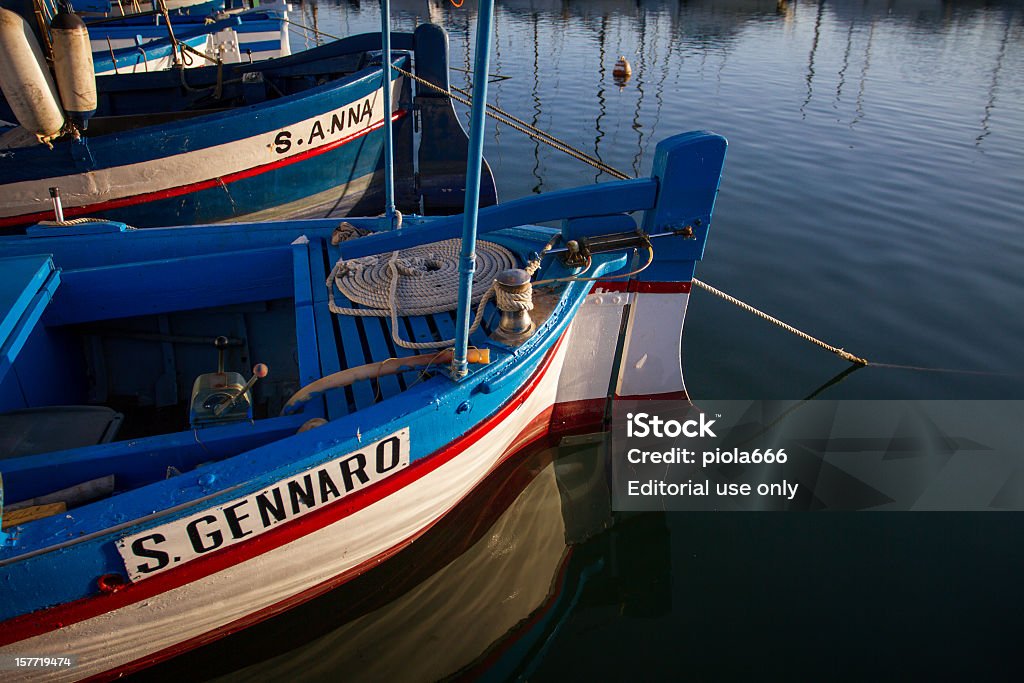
[222,397]
[513,293]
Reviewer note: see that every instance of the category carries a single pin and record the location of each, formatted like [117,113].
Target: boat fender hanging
[72,63]
[25,79]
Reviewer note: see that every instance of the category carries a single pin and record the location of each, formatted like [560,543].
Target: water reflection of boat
[492,583]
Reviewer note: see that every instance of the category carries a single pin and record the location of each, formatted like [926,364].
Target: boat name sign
[363,114]
[167,546]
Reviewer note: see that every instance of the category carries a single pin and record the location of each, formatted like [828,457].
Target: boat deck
[344,341]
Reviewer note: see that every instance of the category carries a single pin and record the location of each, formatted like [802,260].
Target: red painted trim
[642,287]
[579,415]
[44,621]
[169,193]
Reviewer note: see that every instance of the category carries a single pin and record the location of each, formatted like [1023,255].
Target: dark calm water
[873,195]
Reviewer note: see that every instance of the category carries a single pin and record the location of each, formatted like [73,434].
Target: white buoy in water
[26,81]
[72,63]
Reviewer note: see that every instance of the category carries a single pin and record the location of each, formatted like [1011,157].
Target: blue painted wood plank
[615,197]
[327,342]
[380,350]
[171,285]
[20,280]
[344,342]
[12,344]
[691,164]
[305,322]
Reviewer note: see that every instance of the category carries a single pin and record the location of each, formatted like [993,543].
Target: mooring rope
[775,321]
[518,124]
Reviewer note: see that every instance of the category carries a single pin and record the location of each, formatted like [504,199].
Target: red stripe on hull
[172,192]
[641,287]
[44,621]
[579,415]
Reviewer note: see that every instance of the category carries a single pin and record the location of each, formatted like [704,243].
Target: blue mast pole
[389,157]
[467,258]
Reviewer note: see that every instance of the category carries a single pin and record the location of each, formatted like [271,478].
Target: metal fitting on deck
[514,296]
[576,255]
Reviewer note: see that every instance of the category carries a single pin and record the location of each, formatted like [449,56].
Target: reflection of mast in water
[637,126]
[994,86]
[842,71]
[660,89]
[601,74]
[348,26]
[316,24]
[536,106]
[864,76]
[810,59]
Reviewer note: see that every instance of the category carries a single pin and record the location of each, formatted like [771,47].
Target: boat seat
[56,428]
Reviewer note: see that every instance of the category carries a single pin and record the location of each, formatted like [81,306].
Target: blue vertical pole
[474,164]
[389,157]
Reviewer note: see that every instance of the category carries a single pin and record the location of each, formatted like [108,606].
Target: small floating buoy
[72,62]
[622,71]
[25,79]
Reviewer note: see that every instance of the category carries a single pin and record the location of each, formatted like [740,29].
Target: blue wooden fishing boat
[134,45]
[263,506]
[299,135]
[157,500]
[146,41]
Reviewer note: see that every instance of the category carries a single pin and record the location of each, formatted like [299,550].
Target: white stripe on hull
[119,637]
[595,335]
[652,361]
[137,64]
[165,173]
[244,37]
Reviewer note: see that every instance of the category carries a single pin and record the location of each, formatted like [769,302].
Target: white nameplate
[170,545]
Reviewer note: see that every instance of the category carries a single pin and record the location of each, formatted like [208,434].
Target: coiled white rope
[418,281]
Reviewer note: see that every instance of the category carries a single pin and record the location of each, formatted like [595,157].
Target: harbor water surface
[873,195]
